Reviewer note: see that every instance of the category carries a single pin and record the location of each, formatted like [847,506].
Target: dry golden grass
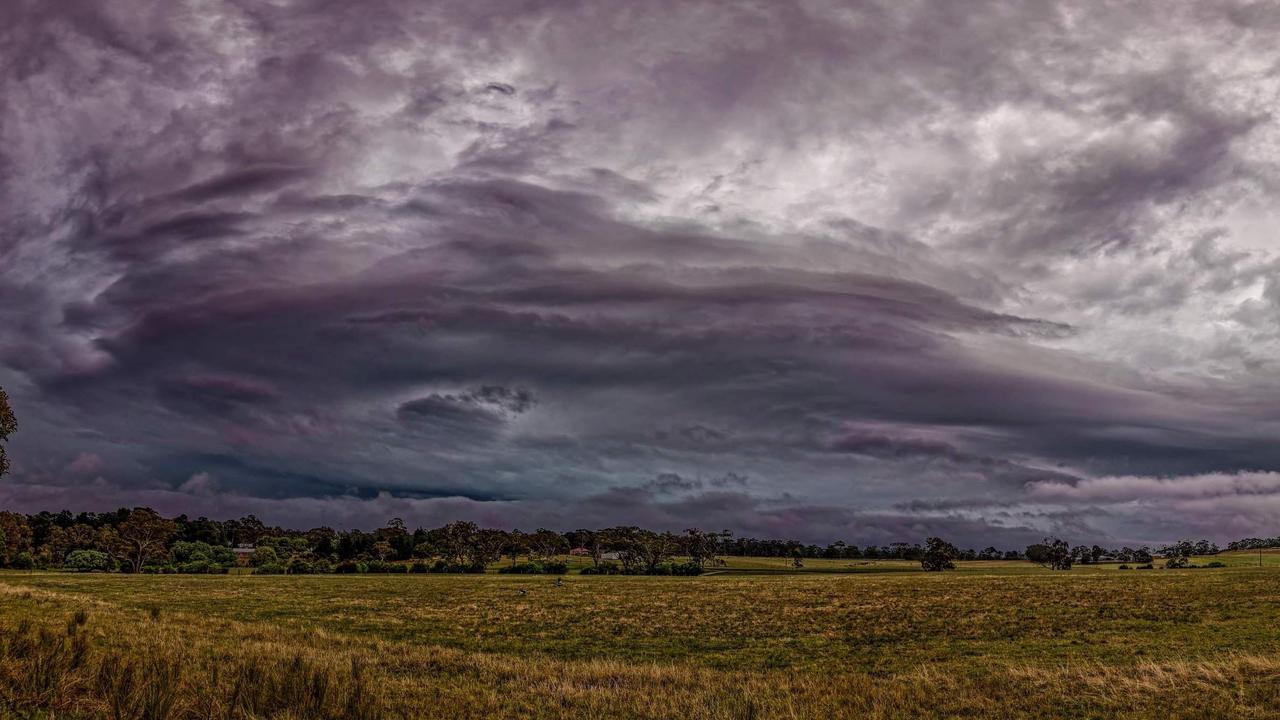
[1194,644]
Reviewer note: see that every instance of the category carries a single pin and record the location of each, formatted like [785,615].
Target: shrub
[686,568]
[1216,564]
[264,555]
[604,568]
[184,552]
[87,561]
[382,566]
[1148,566]
[270,569]
[1124,567]
[420,567]
[525,568]
[549,567]
[195,567]
[23,561]
[347,567]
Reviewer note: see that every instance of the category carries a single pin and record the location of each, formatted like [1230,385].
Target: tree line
[141,540]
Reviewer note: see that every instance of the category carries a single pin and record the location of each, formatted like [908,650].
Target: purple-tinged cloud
[894,269]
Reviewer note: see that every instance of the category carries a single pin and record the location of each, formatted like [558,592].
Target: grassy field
[881,640]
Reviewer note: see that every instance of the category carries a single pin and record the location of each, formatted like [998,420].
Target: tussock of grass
[78,674]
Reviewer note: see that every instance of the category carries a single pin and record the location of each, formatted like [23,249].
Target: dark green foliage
[264,555]
[525,568]
[299,566]
[1052,553]
[200,567]
[604,568]
[88,561]
[938,555]
[549,567]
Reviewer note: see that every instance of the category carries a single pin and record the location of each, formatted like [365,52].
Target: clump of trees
[1053,553]
[938,555]
[140,540]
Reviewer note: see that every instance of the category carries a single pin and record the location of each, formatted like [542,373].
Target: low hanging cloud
[1125,489]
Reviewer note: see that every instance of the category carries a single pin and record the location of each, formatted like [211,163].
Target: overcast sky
[861,271]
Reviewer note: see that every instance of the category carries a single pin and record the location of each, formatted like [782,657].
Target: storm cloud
[991,270]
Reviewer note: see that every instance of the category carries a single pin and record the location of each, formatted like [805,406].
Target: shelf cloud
[987,270]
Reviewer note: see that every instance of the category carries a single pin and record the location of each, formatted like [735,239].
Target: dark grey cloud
[807,269]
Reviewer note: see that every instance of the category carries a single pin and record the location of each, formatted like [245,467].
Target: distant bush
[666,568]
[550,567]
[686,568]
[440,566]
[264,555]
[604,568]
[420,567]
[299,566]
[1124,567]
[1148,566]
[270,569]
[200,567]
[185,552]
[347,567]
[1215,564]
[23,561]
[524,568]
[88,561]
